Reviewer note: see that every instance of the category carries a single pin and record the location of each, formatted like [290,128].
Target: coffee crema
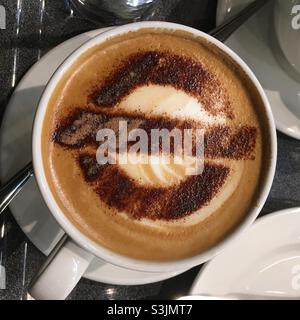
[155,79]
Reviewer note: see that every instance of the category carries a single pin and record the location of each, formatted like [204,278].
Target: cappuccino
[154,80]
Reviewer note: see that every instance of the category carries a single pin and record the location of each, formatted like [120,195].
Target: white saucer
[264,261]
[254,42]
[28,208]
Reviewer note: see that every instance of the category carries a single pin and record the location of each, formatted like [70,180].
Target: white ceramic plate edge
[205,268]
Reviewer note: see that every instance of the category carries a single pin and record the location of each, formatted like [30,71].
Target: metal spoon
[14,186]
[225,30]
[9,190]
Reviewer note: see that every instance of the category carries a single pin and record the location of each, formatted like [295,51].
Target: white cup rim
[78,236]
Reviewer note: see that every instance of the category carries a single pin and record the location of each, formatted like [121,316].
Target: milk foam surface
[168,101]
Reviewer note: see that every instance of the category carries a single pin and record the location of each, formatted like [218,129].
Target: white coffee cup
[287,28]
[70,263]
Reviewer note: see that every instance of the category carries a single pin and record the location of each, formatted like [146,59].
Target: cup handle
[61,272]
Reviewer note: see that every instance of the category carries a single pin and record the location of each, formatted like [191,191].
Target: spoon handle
[224,31]
[10,189]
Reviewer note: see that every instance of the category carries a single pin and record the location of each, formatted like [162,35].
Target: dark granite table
[35,26]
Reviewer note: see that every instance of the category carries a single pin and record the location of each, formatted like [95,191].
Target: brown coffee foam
[163,68]
[80,128]
[117,190]
[111,228]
